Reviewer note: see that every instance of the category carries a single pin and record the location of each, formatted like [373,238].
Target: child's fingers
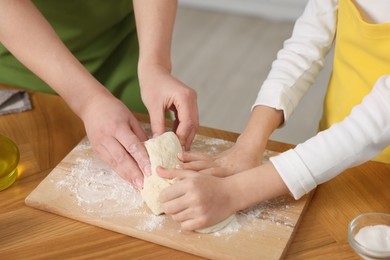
[195,165]
[193,224]
[168,173]
[192,156]
[173,173]
[173,201]
[183,215]
[172,193]
[217,172]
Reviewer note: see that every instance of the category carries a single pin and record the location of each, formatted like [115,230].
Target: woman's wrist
[146,65]
[96,96]
[149,72]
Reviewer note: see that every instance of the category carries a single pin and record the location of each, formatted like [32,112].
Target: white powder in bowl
[375,238]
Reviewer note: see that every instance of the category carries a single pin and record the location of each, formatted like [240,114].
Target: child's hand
[196,200]
[234,160]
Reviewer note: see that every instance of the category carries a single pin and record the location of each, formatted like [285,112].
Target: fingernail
[139,183]
[148,170]
[180,155]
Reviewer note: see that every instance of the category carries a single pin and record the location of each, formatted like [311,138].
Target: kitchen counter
[47,133]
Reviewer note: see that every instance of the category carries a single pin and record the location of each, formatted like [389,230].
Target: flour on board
[98,189]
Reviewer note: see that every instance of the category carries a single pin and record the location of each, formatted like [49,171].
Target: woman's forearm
[155,22]
[30,38]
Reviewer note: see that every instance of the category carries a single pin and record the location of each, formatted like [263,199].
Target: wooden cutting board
[84,188]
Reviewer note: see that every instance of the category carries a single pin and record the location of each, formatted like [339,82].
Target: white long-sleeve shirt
[360,136]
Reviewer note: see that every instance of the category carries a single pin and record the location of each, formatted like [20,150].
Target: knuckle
[203,221]
[107,129]
[188,93]
[132,148]
[191,185]
[168,211]
[123,175]
[120,156]
[112,163]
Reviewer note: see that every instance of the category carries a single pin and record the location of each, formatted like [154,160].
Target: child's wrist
[238,192]
[252,144]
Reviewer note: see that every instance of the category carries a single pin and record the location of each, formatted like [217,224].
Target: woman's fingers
[111,151]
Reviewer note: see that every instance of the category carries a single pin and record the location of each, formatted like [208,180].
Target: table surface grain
[50,130]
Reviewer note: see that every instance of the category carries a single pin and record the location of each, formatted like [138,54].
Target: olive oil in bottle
[9,159]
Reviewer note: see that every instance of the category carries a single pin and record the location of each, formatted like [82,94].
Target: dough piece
[163,152]
[218,226]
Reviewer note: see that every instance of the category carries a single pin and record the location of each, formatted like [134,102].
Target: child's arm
[301,58]
[358,138]
[199,200]
[247,151]
[294,70]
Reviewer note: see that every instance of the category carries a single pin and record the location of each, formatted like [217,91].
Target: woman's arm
[113,131]
[160,91]
[31,39]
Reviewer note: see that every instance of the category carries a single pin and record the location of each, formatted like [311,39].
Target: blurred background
[224,50]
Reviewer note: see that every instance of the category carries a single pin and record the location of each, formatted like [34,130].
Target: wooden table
[48,132]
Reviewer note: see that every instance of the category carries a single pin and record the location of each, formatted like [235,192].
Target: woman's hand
[161,92]
[196,200]
[117,137]
[159,89]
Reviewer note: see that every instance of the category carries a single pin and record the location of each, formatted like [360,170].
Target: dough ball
[163,152]
[218,226]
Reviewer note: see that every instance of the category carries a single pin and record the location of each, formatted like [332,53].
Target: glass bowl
[9,159]
[369,235]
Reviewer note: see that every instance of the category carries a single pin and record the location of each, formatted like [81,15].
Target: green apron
[101,34]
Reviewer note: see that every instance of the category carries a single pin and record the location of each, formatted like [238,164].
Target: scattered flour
[99,190]
[270,210]
[215,142]
[214,146]
[233,227]
[152,222]
[96,186]
[84,145]
[274,210]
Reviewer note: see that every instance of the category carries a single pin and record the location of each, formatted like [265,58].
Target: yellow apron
[362,55]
